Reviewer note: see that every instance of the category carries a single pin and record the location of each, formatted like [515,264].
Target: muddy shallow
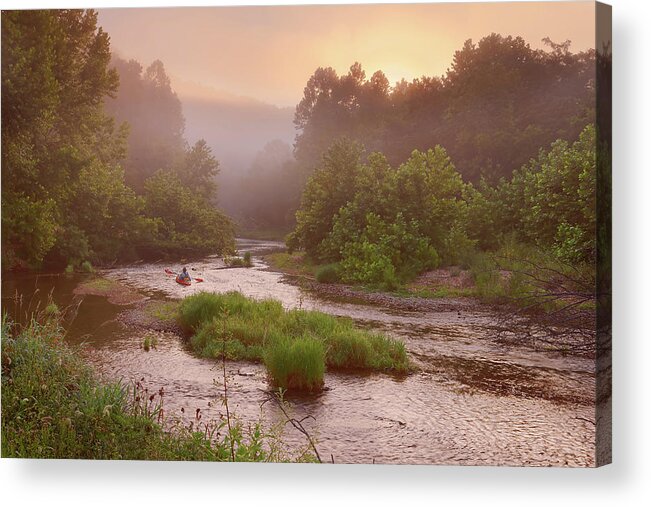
[472,401]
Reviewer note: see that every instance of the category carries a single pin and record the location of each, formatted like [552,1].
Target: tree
[330,187]
[146,102]
[499,101]
[199,170]
[272,188]
[55,76]
[186,223]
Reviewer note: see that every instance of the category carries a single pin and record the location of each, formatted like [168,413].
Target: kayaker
[185,276]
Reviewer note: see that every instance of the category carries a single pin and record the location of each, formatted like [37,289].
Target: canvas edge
[603,83]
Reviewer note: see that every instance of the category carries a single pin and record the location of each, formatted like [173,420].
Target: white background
[625,482]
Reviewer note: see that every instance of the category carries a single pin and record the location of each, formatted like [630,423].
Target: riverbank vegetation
[54,407]
[523,238]
[440,172]
[65,200]
[296,345]
[239,262]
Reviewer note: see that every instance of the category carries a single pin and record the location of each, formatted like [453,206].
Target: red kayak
[179,280]
[182,282]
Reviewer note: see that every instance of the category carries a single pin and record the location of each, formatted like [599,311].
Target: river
[473,400]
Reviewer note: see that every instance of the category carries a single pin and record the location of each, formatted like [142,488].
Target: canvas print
[374,234]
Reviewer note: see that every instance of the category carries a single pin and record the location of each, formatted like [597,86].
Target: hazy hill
[235,127]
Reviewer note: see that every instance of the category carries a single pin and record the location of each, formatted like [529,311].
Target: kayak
[182,282]
[179,280]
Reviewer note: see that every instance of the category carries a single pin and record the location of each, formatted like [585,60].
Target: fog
[236,128]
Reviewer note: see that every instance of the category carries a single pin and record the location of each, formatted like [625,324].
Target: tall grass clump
[240,262]
[296,364]
[232,326]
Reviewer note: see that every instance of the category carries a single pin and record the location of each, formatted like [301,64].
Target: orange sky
[269,52]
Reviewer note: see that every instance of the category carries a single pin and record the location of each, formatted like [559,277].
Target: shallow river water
[473,401]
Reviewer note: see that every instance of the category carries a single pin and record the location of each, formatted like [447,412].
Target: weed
[150,341]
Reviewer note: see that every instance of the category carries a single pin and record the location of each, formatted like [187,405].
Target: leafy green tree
[429,190]
[199,170]
[386,254]
[560,198]
[499,101]
[330,187]
[187,224]
[54,77]
[374,192]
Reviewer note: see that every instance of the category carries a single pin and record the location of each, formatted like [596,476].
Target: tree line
[497,105]
[65,196]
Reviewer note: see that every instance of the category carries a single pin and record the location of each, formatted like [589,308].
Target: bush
[328,274]
[458,248]
[387,254]
[239,262]
[297,364]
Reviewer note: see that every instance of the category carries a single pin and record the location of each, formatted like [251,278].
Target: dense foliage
[64,197]
[496,106]
[385,225]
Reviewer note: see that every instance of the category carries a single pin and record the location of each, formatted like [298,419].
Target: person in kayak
[184,275]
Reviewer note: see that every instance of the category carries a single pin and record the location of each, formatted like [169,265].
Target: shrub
[297,364]
[239,262]
[150,341]
[387,254]
[328,274]
[87,267]
[458,248]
